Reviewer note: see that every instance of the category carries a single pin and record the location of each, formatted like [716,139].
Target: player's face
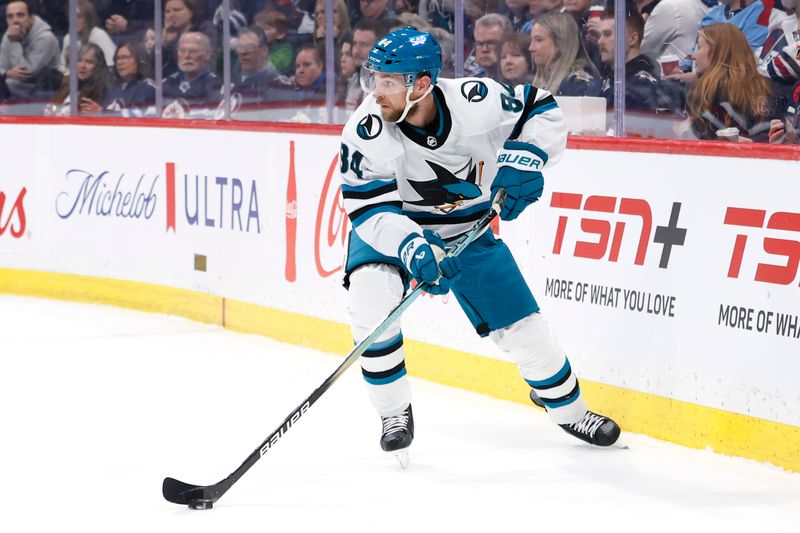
[542,48]
[701,54]
[606,42]
[512,63]
[487,38]
[390,94]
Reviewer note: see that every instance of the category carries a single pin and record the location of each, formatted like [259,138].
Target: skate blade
[620,445]
[402,458]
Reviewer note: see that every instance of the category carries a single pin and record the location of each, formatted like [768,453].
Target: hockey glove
[517,174]
[422,262]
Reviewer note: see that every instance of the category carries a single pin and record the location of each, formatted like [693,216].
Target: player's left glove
[518,175]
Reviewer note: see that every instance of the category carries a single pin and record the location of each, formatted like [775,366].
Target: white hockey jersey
[398,179]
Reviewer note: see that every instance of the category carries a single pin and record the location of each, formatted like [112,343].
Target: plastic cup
[728,134]
[595,12]
[669,64]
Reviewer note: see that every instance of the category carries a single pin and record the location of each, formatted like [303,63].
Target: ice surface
[99,404]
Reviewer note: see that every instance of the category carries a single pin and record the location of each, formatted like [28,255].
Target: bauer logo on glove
[517,174]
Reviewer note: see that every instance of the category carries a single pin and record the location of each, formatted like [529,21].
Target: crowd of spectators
[708,69]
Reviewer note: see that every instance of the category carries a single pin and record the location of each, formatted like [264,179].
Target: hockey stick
[204,496]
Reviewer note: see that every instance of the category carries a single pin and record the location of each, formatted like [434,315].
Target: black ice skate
[594,429]
[398,432]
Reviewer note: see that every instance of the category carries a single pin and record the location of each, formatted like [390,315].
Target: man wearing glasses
[484,61]
[256,76]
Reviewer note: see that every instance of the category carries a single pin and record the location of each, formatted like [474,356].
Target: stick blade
[182,493]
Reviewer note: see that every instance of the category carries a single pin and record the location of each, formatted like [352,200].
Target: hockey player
[421,159]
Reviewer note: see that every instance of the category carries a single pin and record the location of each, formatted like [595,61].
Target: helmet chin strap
[410,103]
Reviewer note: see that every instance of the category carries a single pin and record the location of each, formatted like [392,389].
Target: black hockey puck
[201,505]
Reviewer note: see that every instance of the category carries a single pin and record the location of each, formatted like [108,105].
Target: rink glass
[323,100]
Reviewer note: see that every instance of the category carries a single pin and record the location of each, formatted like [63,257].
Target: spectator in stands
[671,28]
[784,132]
[29,52]
[182,16]
[483,61]
[729,91]
[89,31]
[257,77]
[560,62]
[447,42]
[780,58]
[309,74]
[515,59]
[341,21]
[753,17]
[439,13]
[787,130]
[347,67]
[149,41]
[132,92]
[645,7]
[365,35]
[376,9]
[579,9]
[410,19]
[127,20]
[405,6]
[276,26]
[55,13]
[93,81]
[299,18]
[537,8]
[194,86]
[641,72]
[517,13]
[237,18]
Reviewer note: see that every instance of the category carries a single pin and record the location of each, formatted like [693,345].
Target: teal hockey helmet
[406,51]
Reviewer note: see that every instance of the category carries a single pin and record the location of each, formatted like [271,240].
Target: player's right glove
[517,174]
[425,259]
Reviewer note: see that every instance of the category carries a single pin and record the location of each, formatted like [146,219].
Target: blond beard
[391,115]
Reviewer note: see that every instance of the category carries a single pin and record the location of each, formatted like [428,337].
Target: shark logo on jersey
[369,127]
[474,91]
[447,191]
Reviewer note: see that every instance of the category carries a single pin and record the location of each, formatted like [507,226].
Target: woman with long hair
[515,59]
[89,31]
[132,91]
[560,62]
[93,81]
[341,22]
[729,92]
